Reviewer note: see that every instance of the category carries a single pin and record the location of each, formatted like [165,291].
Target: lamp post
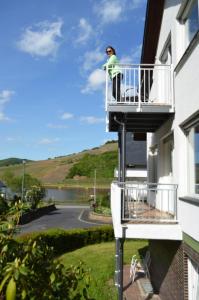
[23,181]
[94,187]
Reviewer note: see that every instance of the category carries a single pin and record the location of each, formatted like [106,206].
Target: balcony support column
[119,267]
[121,152]
[121,179]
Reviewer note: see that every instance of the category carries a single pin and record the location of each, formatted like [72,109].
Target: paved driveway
[66,217]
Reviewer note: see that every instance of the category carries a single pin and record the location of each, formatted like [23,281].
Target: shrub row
[68,240]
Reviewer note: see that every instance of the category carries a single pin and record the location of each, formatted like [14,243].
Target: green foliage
[104,163]
[15,182]
[103,200]
[34,195]
[68,240]
[3,205]
[28,270]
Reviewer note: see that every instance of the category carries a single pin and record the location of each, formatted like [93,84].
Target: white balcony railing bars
[148,202]
[141,85]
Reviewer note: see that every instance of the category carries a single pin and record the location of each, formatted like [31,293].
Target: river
[72,195]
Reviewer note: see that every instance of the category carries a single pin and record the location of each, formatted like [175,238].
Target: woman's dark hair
[110,47]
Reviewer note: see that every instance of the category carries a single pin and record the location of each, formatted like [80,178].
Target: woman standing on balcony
[114,72]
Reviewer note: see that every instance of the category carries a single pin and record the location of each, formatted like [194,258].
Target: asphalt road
[65,217]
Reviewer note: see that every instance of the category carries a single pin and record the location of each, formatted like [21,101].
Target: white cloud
[67,116]
[48,141]
[3,117]
[85,31]
[95,82]
[92,120]
[92,58]
[5,97]
[56,126]
[42,40]
[133,57]
[109,11]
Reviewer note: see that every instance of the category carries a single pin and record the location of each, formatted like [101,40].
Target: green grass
[99,258]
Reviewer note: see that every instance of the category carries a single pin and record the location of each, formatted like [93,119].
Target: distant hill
[12,161]
[55,170]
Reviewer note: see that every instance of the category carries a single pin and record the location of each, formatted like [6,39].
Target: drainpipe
[121,178]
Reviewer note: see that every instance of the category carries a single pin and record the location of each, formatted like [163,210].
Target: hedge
[68,240]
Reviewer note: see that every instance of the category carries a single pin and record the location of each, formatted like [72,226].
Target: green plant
[64,241]
[28,269]
[3,205]
[34,195]
[103,200]
[15,182]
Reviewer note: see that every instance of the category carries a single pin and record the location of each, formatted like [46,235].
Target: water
[72,195]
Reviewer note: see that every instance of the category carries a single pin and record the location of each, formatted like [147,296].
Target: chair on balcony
[133,98]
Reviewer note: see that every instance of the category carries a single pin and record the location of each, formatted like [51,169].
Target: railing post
[139,88]
[176,206]
[172,86]
[106,102]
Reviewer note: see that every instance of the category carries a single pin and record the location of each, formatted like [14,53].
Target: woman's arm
[111,62]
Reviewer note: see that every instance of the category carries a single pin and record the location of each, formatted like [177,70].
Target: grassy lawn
[99,258]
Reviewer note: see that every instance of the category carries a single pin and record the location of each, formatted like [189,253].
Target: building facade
[164,103]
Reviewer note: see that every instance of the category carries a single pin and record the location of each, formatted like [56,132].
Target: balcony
[145,99]
[145,210]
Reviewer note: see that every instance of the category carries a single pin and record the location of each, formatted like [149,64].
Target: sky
[52,86]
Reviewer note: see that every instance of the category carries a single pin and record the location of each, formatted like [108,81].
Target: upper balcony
[144,100]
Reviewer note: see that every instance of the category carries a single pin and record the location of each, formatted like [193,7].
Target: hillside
[11,161]
[54,171]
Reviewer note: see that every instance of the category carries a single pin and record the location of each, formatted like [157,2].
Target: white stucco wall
[186,91]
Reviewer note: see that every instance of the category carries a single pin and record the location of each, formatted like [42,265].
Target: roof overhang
[154,12]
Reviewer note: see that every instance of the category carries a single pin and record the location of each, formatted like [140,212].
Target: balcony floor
[142,213]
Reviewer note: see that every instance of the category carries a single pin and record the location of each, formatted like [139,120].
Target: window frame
[165,54]
[188,126]
[183,17]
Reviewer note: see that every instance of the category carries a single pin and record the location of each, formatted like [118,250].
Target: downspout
[121,179]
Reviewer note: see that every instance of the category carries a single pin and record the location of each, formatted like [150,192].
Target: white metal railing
[140,85]
[148,201]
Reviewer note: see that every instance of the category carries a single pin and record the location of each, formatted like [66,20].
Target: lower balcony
[145,210]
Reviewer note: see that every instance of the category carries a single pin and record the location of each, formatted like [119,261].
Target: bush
[3,205]
[103,200]
[28,269]
[68,240]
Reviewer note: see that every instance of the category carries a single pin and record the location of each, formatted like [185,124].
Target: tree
[15,182]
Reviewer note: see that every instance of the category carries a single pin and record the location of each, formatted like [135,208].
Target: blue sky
[51,81]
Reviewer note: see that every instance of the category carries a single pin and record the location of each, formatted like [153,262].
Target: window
[196,158]
[168,155]
[192,22]
[191,129]
[189,16]
[193,280]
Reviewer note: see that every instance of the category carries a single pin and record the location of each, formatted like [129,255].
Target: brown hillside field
[53,171]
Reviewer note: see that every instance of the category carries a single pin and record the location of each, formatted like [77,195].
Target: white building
[163,102]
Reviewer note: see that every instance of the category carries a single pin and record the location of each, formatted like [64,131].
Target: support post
[121,179]
[119,267]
